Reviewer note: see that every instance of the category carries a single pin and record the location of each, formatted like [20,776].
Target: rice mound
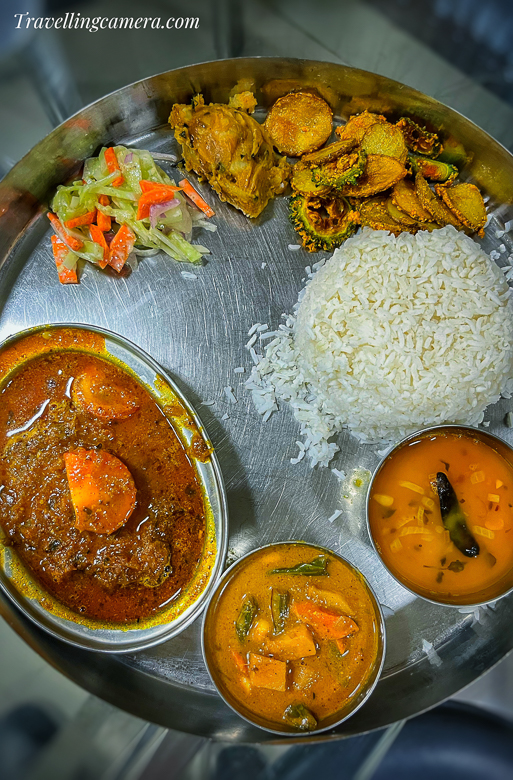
[391,335]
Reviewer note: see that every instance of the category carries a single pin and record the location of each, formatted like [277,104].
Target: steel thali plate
[196,329]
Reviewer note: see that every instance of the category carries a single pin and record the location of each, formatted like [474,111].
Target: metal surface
[350,707]
[499,589]
[197,330]
[62,623]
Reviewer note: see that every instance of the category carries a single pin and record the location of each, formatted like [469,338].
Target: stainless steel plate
[197,330]
[60,622]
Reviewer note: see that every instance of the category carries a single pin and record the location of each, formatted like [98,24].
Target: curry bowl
[439,508]
[294,638]
[114,519]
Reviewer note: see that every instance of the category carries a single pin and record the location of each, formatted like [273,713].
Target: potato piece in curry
[292,638]
[228,148]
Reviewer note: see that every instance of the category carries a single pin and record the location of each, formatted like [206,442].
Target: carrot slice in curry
[326,623]
[94,392]
[102,490]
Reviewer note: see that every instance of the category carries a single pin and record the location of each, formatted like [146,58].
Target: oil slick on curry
[100,499]
[293,638]
[441,515]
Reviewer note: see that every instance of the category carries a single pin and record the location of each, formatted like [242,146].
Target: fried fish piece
[232,151]
[432,203]
[357,125]
[418,139]
[380,173]
[298,123]
[387,139]
[406,199]
[466,202]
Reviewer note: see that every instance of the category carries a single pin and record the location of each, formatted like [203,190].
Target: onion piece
[161,156]
[132,262]
[129,157]
[145,252]
[161,208]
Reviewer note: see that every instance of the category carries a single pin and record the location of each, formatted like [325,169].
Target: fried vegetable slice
[303,181]
[432,203]
[347,169]
[418,139]
[434,170]
[298,123]
[322,223]
[387,139]
[398,215]
[374,214]
[329,153]
[357,125]
[405,198]
[466,202]
[454,152]
[381,172]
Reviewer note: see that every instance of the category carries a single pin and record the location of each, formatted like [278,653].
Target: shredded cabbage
[173,227]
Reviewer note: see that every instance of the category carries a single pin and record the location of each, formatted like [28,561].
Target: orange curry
[292,638]
[97,494]
[448,552]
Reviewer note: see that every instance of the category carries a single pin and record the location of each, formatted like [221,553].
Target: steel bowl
[488,595]
[270,726]
[20,586]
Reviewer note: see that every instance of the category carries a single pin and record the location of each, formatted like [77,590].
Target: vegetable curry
[441,514]
[98,496]
[292,638]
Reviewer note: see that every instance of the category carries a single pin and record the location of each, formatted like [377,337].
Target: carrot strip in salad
[151,198]
[155,186]
[196,198]
[98,237]
[84,219]
[120,247]
[112,164]
[60,253]
[70,241]
[103,221]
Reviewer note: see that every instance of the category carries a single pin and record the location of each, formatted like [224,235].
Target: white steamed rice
[390,335]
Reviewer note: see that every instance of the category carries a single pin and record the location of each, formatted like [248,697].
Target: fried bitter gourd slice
[387,139]
[434,170]
[346,169]
[418,139]
[374,214]
[466,202]
[299,122]
[436,207]
[322,223]
[380,173]
[303,181]
[357,125]
[406,199]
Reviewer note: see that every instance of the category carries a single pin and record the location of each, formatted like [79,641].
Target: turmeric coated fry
[298,123]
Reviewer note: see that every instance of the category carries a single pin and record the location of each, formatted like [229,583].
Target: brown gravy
[140,568]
